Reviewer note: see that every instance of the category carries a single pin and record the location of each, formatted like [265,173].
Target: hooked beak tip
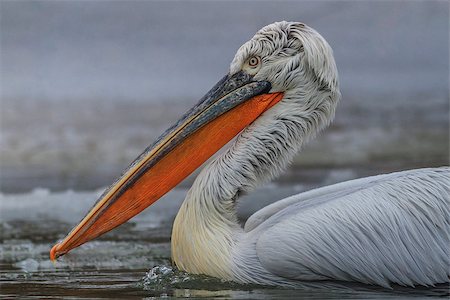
[54,252]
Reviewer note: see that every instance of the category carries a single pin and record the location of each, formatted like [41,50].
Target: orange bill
[234,103]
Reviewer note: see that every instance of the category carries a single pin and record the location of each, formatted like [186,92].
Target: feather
[381,230]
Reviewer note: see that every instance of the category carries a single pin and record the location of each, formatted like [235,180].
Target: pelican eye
[254,61]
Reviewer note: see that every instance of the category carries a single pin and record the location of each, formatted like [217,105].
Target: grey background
[86,85]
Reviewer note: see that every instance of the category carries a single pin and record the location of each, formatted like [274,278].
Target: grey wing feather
[394,229]
[327,192]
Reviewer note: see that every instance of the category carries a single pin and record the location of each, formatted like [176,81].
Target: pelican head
[291,56]
[281,89]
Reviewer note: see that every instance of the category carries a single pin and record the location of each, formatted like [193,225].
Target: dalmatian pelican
[281,90]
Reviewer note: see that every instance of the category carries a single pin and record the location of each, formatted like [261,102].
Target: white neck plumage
[206,227]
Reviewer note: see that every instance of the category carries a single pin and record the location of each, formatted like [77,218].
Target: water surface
[132,261]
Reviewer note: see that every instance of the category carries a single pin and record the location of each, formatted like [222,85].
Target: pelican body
[281,90]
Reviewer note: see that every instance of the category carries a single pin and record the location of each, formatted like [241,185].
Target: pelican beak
[231,105]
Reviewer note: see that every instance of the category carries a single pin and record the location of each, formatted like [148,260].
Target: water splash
[166,278]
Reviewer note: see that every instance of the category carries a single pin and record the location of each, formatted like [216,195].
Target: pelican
[281,90]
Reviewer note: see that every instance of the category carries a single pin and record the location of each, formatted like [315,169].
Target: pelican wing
[313,197]
[393,229]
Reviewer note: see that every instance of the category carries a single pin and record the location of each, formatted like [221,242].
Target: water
[133,261]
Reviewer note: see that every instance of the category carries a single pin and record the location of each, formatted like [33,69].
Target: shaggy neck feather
[206,227]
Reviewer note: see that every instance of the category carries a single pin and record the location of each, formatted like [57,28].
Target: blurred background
[87,85]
